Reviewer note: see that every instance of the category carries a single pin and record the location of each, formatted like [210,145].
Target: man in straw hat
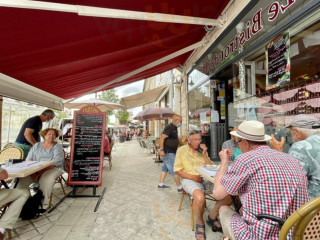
[267,182]
[305,133]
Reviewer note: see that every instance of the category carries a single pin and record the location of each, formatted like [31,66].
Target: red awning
[68,55]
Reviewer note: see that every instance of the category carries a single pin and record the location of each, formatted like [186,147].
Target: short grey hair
[48,112]
[306,131]
[194,132]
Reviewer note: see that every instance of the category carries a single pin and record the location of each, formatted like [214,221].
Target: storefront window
[196,77]
[199,106]
[285,84]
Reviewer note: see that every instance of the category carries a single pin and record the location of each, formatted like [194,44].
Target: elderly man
[187,160]
[29,132]
[305,149]
[267,182]
[169,143]
[18,197]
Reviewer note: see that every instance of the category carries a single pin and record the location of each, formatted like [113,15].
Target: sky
[124,91]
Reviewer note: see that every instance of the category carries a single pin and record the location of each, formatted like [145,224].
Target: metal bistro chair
[158,157]
[60,178]
[208,196]
[305,222]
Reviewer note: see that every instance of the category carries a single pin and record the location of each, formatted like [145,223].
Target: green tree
[109,96]
[60,114]
[122,116]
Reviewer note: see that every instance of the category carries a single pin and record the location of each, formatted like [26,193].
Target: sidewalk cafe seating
[208,196]
[305,221]
[11,152]
[60,178]
[3,209]
[158,157]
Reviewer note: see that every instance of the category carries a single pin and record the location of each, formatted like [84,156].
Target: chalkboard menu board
[86,160]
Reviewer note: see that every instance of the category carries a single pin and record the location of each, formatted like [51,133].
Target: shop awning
[143,98]
[20,91]
[68,50]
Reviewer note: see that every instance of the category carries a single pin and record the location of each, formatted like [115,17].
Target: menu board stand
[86,160]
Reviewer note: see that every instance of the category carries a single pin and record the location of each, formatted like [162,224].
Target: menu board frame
[93,111]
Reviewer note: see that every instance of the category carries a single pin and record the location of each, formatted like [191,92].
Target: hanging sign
[278,61]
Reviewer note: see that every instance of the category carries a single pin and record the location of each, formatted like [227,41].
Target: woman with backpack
[49,150]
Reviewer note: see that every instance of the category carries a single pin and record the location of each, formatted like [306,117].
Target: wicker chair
[305,222]
[11,153]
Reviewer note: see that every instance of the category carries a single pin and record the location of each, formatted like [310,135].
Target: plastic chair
[11,153]
[304,222]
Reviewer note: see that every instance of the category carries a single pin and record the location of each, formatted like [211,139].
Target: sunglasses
[237,143]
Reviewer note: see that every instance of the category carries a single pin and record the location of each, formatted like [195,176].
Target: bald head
[176,119]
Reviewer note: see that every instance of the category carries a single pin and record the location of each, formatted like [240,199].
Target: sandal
[200,232]
[211,222]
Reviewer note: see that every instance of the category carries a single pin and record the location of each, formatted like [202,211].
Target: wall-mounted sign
[246,33]
[214,116]
[220,98]
[278,61]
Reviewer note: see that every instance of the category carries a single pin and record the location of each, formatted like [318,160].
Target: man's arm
[219,192]
[276,145]
[196,178]
[162,138]
[28,135]
[3,174]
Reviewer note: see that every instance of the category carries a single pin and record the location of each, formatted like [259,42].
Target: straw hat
[252,131]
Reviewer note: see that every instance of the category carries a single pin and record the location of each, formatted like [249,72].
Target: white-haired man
[267,182]
[305,149]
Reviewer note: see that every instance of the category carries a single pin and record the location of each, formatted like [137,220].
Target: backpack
[30,209]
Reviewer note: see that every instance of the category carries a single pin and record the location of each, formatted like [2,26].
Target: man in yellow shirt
[188,159]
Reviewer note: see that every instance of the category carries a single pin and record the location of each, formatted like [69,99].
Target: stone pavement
[132,207]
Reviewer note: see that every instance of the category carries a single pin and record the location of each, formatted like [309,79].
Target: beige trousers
[225,214]
[46,182]
[18,197]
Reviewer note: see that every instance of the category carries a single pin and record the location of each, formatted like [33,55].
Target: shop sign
[253,27]
[220,98]
[223,109]
[214,116]
[278,61]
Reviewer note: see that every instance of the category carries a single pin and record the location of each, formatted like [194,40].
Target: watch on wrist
[161,149]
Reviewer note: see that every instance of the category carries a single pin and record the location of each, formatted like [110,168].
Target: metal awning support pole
[1,101]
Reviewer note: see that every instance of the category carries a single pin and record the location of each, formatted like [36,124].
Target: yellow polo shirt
[188,161]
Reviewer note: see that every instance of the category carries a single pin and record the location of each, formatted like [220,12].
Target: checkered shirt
[267,182]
